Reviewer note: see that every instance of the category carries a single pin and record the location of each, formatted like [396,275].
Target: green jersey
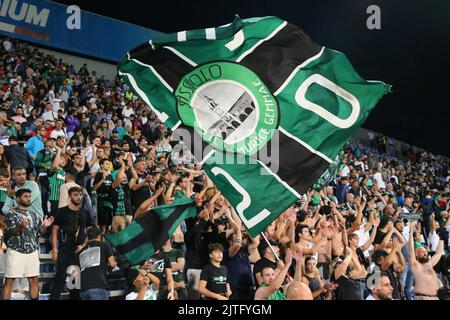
[278,295]
[56,178]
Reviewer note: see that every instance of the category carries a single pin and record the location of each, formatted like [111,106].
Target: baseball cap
[115,130]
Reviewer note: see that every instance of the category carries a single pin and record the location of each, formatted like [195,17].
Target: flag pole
[270,246]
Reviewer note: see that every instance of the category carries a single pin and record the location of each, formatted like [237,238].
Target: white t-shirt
[434,241]
[49,115]
[363,238]
[150,294]
[55,104]
[55,134]
[127,112]
[379,179]
[51,95]
[345,171]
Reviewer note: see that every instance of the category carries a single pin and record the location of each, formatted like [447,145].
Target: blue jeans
[407,282]
[94,294]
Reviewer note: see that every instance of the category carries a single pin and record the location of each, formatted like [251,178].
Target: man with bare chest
[426,279]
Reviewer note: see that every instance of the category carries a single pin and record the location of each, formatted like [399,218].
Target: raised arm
[439,252]
[411,251]
[369,242]
[264,292]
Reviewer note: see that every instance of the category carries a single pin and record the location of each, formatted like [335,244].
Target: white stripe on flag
[181,36]
[293,73]
[320,154]
[182,56]
[152,70]
[175,127]
[161,115]
[210,33]
[287,186]
[270,36]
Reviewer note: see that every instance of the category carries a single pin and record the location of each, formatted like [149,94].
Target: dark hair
[298,230]
[308,258]
[102,161]
[215,246]
[377,254]
[20,192]
[384,221]
[72,172]
[266,267]
[444,293]
[4,173]
[93,233]
[301,215]
[351,236]
[18,168]
[75,189]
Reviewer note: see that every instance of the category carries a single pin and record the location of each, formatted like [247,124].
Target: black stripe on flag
[169,66]
[156,231]
[296,165]
[275,59]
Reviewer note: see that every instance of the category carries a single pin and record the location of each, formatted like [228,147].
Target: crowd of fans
[82,156]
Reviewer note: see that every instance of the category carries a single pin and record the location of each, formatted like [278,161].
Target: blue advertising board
[69,28]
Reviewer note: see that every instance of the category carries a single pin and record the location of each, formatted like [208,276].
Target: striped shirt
[3,194]
[56,178]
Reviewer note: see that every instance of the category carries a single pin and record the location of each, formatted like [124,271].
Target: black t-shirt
[93,262]
[160,261]
[216,278]
[139,196]
[71,222]
[261,264]
[104,192]
[174,255]
[394,283]
[82,176]
[379,237]
[116,142]
[348,289]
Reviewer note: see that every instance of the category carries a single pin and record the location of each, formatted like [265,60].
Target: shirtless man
[426,279]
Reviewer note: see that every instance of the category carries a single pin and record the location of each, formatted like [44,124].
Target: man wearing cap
[116,143]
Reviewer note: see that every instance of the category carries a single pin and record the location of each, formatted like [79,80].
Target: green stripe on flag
[133,230]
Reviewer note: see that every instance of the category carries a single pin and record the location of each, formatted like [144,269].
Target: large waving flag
[149,232]
[271,107]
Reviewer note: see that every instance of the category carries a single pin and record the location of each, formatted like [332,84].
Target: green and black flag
[148,233]
[271,108]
